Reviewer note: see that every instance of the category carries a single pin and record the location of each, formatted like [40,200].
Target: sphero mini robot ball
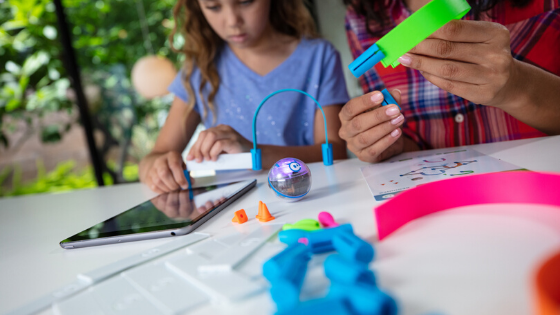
[290,179]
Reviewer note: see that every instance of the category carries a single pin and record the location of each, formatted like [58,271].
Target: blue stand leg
[327,153]
[256,157]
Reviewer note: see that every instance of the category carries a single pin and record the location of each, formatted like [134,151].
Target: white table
[458,262]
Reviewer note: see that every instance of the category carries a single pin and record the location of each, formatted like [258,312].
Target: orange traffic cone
[240,216]
[264,214]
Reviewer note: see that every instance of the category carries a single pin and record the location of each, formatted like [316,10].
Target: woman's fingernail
[395,133]
[405,60]
[392,111]
[397,120]
[377,97]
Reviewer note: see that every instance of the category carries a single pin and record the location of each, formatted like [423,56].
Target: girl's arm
[162,169]
[224,139]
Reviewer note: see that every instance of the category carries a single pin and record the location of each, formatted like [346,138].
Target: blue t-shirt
[286,118]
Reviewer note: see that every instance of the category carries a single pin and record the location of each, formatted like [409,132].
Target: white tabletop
[459,262]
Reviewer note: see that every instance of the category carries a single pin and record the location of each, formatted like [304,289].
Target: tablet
[170,214]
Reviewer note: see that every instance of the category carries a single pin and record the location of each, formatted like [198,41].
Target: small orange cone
[264,214]
[239,217]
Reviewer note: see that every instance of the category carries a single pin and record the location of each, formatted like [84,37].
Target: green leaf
[23,81]
[54,74]
[34,62]
[49,32]
[7,77]
[12,25]
[12,104]
[50,133]
[13,68]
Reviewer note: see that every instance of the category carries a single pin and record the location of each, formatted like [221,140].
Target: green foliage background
[108,40]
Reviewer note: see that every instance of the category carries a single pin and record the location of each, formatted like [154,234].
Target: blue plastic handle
[388,99]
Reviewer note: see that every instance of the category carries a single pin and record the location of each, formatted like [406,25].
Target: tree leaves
[51,133]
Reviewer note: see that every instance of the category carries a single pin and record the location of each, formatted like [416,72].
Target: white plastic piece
[208,249]
[82,303]
[169,292]
[235,254]
[234,161]
[46,300]
[118,296]
[221,287]
[105,272]
[87,279]
[252,268]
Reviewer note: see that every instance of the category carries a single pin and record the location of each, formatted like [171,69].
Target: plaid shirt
[436,118]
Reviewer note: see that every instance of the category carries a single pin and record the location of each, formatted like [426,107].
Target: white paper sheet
[389,178]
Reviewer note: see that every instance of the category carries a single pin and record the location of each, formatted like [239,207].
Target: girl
[493,76]
[237,52]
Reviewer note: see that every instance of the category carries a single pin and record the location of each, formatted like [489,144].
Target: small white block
[208,249]
[120,297]
[81,303]
[236,253]
[107,271]
[165,289]
[222,287]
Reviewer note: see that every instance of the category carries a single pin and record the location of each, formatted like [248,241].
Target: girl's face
[240,23]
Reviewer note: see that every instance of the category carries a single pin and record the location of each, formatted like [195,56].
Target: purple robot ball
[290,179]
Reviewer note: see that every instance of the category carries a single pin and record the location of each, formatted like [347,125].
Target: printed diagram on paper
[388,178]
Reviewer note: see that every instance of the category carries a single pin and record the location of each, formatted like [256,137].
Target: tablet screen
[171,210]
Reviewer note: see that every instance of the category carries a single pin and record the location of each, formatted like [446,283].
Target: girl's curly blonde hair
[202,44]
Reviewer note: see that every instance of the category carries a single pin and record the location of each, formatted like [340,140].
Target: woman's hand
[166,173]
[216,140]
[371,130]
[471,59]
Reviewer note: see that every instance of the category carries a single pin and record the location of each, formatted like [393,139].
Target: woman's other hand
[471,59]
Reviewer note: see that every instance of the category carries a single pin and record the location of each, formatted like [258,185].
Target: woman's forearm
[534,98]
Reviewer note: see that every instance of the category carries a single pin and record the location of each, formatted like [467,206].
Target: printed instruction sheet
[388,178]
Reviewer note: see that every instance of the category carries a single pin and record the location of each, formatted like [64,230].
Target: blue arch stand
[326,148]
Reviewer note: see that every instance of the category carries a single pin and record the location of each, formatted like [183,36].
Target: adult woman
[492,76]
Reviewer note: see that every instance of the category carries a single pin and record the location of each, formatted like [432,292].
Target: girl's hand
[471,59]
[216,140]
[371,130]
[166,173]
[175,204]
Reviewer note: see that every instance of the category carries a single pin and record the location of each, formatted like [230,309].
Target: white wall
[330,14]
